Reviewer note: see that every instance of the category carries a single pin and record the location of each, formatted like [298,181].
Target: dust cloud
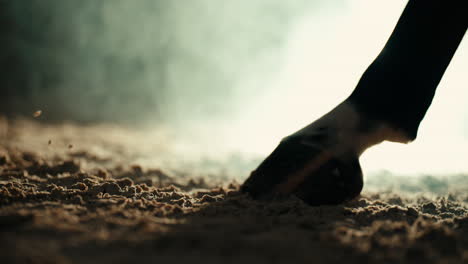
[224,79]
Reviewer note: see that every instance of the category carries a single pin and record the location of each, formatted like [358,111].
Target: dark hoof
[312,174]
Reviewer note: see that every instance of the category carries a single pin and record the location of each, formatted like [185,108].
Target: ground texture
[76,194]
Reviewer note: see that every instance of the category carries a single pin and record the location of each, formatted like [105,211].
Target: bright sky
[325,57]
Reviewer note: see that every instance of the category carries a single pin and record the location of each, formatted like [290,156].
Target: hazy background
[226,76]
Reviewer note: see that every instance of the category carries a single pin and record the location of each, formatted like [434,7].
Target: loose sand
[87,205]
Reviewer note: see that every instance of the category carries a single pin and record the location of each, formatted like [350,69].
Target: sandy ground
[86,194]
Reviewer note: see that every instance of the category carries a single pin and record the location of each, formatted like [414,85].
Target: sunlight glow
[324,58]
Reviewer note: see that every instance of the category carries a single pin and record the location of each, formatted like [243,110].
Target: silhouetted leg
[399,85]
[320,163]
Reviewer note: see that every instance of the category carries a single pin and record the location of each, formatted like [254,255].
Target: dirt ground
[86,194]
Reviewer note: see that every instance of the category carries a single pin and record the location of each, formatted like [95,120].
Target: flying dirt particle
[37,113]
[3,159]
[49,142]
[70,146]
